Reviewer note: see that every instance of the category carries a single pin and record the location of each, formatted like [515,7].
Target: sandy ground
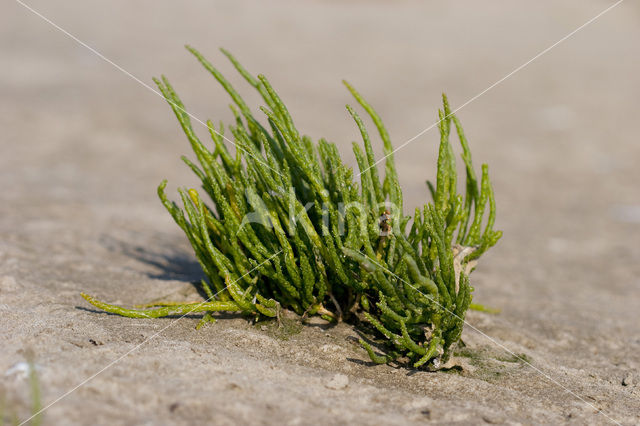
[83,147]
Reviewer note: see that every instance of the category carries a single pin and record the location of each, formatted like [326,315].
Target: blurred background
[83,145]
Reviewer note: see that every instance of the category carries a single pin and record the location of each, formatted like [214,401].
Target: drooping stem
[165,311]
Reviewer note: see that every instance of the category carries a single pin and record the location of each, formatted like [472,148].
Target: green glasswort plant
[291,227]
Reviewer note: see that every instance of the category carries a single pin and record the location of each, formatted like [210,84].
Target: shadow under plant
[174,265]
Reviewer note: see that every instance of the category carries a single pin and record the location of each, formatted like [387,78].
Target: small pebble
[339,381]
[20,370]
[628,380]
[493,419]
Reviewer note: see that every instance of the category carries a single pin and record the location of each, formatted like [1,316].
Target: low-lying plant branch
[291,227]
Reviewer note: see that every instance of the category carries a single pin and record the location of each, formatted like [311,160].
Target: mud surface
[83,147]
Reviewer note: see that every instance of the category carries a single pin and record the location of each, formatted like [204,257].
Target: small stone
[339,381]
[21,370]
[330,348]
[628,380]
[458,363]
[493,419]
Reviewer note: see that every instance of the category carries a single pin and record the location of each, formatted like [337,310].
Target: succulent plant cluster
[283,223]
